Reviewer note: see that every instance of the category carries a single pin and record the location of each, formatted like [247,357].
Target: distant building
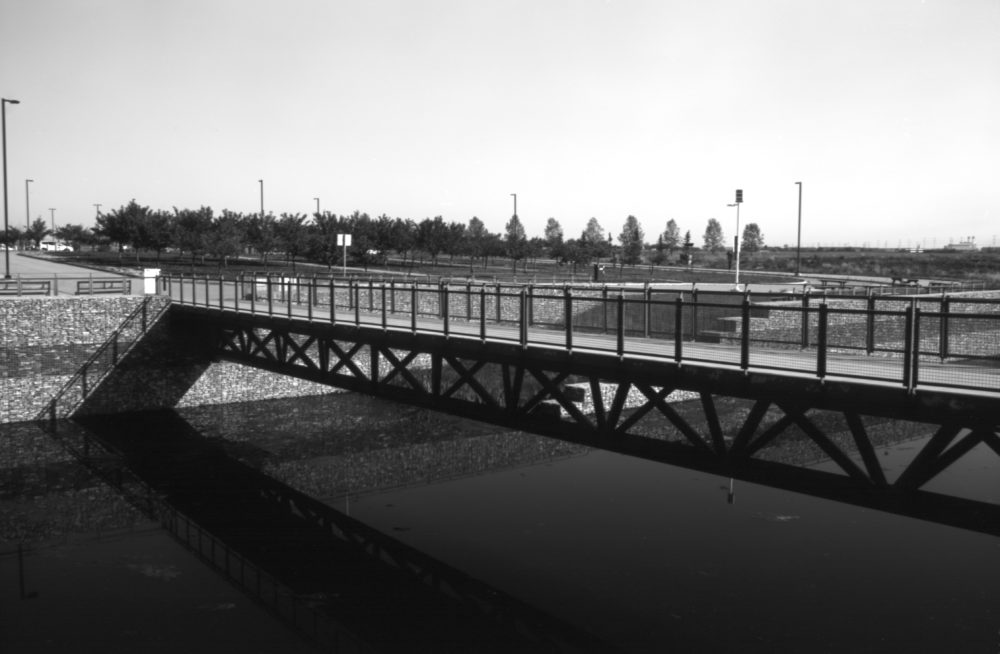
[968,245]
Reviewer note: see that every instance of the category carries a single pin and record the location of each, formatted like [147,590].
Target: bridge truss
[627,406]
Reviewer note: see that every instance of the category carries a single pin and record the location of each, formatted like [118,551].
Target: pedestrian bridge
[603,366]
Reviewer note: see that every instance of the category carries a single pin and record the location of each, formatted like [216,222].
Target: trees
[516,240]
[592,233]
[432,236]
[660,254]
[191,229]
[553,234]
[291,235]
[262,235]
[477,236]
[753,239]
[154,231]
[226,236]
[631,240]
[74,234]
[37,231]
[122,225]
[671,236]
[714,240]
[687,255]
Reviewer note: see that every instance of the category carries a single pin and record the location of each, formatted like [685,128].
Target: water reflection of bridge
[328,575]
[515,357]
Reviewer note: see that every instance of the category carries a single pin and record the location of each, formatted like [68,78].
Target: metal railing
[924,340]
[58,284]
[104,359]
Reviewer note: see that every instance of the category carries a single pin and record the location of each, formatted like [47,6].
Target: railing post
[745,333]
[392,296]
[945,310]
[333,302]
[221,294]
[568,299]
[915,375]
[821,342]
[468,300]
[647,309]
[371,295]
[310,295]
[445,309]
[482,313]
[805,320]
[523,297]
[499,314]
[413,307]
[620,322]
[357,302]
[385,323]
[694,314]
[678,327]
[180,284]
[870,325]
[531,304]
[286,288]
[270,295]
[908,349]
[604,305]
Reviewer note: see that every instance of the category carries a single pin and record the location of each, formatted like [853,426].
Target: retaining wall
[44,341]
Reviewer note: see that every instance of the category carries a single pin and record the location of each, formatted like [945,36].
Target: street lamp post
[27,204]
[798,243]
[97,206]
[52,216]
[736,244]
[261,198]
[317,206]
[515,203]
[6,229]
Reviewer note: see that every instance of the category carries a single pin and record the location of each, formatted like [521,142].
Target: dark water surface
[645,556]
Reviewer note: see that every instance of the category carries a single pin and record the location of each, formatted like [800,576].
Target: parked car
[55,246]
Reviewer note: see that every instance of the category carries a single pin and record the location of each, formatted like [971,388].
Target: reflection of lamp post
[798,243]
[6,230]
[27,205]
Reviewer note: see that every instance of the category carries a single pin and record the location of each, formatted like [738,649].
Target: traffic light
[739,195]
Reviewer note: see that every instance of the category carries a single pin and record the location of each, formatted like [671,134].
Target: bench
[101,286]
[21,287]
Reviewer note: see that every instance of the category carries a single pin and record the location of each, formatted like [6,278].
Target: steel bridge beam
[524,388]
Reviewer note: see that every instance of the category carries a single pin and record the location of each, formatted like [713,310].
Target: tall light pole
[515,203]
[317,205]
[736,245]
[6,229]
[261,198]
[798,243]
[27,205]
[97,206]
[52,215]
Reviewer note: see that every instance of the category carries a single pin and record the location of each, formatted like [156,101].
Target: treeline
[297,237]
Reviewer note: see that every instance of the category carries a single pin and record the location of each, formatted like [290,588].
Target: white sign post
[345,240]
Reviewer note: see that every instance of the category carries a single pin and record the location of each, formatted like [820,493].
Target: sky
[885,110]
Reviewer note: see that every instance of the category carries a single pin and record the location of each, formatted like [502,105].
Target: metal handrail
[837,330]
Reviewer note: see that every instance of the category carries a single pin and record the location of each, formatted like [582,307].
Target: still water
[644,556]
